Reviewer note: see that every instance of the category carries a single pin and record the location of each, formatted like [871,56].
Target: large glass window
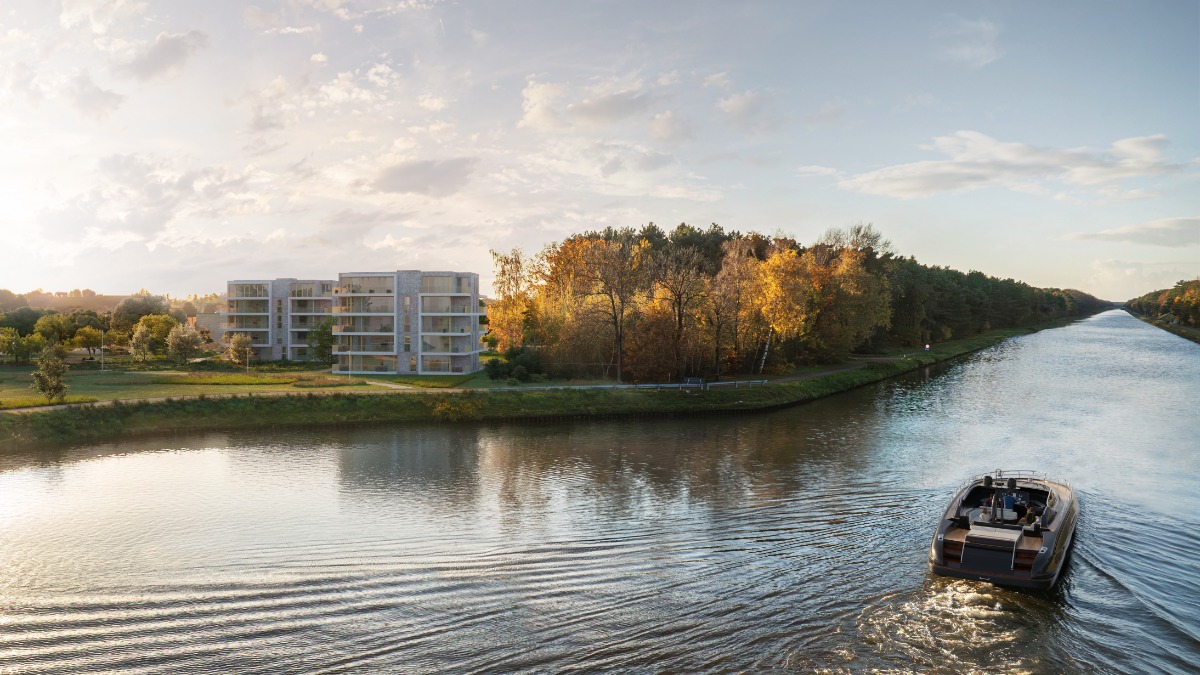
[367,284]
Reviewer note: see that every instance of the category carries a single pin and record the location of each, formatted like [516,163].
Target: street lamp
[102,350]
[247,360]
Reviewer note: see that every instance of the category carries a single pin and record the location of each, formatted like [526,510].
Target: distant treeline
[1180,303]
[655,306]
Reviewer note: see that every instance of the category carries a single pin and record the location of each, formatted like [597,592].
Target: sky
[173,145]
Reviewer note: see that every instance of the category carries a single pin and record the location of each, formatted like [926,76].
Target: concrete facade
[406,321]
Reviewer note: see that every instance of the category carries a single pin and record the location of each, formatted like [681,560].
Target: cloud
[1169,232]
[436,178]
[89,99]
[669,127]
[716,80]
[97,15]
[431,102]
[970,42]
[816,170]
[1124,279]
[609,108]
[538,106]
[166,56]
[23,80]
[319,58]
[978,161]
[746,111]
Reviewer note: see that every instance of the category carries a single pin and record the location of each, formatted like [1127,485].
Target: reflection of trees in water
[627,467]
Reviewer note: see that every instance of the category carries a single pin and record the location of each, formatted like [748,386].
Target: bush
[520,373]
[497,369]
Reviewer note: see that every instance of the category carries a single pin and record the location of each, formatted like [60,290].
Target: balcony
[362,289]
[237,327]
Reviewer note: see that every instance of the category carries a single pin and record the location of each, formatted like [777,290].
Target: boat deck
[1027,541]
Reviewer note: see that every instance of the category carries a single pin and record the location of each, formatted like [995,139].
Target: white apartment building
[406,321]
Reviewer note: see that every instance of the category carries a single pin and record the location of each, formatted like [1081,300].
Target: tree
[680,282]
[239,345]
[23,319]
[140,343]
[10,342]
[159,327]
[88,338]
[320,342]
[614,271]
[132,309]
[48,378]
[515,276]
[183,341]
[55,327]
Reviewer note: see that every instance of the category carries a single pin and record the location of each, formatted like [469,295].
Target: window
[407,343]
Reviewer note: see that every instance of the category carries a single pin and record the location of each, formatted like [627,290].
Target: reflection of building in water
[406,321]
[435,462]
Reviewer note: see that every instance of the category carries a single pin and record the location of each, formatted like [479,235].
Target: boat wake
[949,625]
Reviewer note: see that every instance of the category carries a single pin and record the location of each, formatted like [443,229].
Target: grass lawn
[94,385]
[424,381]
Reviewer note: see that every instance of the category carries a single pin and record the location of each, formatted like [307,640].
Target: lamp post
[247,360]
[102,350]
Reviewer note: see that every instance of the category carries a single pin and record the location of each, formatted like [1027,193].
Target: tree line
[649,305]
[144,323]
[1179,303]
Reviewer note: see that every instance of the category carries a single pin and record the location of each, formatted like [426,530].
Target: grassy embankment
[123,419]
[1186,332]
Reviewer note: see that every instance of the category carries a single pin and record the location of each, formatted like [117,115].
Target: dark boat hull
[992,564]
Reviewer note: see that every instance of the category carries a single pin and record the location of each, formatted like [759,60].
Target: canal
[794,539]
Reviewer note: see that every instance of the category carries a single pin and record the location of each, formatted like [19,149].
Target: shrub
[520,373]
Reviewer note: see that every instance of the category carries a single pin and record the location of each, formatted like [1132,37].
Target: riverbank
[122,419]
[1185,332]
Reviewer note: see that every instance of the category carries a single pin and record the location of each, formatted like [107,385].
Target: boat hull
[1005,555]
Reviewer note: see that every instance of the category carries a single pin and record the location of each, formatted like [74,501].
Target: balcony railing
[234,326]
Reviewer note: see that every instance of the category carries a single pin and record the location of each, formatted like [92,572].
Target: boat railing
[1001,475]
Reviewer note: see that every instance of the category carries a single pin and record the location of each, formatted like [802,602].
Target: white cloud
[435,178]
[611,107]
[431,102]
[538,106]
[669,127]
[319,57]
[716,80]
[973,43]
[90,99]
[1169,232]
[977,161]
[97,15]
[747,111]
[1123,279]
[816,170]
[166,56]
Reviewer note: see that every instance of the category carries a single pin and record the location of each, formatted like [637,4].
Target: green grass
[424,381]
[34,401]
[123,419]
[224,379]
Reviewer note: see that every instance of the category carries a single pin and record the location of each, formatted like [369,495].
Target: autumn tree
[516,274]
[615,271]
[679,281]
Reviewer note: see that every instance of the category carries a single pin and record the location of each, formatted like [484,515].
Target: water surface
[790,540]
